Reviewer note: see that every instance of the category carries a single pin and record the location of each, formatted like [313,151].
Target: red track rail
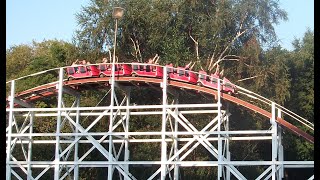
[50,90]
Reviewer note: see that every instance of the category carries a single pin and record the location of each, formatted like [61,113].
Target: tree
[301,68]
[178,31]
[228,33]
[24,60]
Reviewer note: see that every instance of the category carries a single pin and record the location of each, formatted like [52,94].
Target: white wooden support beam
[76,146]
[8,150]
[220,167]
[126,145]
[57,145]
[280,148]
[163,126]
[30,144]
[274,146]
[176,142]
[112,82]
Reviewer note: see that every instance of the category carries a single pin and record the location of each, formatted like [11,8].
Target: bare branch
[249,78]
[241,22]
[226,58]
[135,49]
[247,65]
[188,65]
[240,33]
[221,73]
[154,57]
[193,39]
[109,55]
[197,46]
[228,46]
[139,52]
[212,57]
[156,62]
[197,49]
[193,65]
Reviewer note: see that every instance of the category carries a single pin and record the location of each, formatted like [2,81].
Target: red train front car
[212,82]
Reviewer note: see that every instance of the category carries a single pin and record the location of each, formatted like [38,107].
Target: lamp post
[117,14]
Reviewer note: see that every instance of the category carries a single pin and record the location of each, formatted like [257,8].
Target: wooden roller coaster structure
[118,112]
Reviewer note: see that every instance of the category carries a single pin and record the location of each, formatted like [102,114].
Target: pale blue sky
[28,20]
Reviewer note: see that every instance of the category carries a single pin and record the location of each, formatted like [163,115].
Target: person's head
[84,62]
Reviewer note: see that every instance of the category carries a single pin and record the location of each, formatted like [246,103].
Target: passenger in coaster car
[148,68]
[171,69]
[85,63]
[104,60]
[75,65]
[106,66]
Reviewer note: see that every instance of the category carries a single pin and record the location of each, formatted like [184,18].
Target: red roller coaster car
[212,82]
[148,70]
[77,72]
[228,87]
[182,74]
[120,70]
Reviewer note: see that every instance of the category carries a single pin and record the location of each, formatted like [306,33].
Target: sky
[38,20]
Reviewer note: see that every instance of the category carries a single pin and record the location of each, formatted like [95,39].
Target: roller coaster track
[50,89]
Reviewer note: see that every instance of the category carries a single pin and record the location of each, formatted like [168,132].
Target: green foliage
[24,60]
[171,28]
[276,76]
[301,68]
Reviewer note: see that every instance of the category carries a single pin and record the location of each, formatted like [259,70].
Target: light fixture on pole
[117,14]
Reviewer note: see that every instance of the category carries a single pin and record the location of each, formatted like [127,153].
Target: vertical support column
[29,175]
[163,129]
[126,143]
[57,155]
[274,140]
[219,130]
[280,148]
[227,142]
[8,167]
[110,169]
[76,146]
[176,147]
